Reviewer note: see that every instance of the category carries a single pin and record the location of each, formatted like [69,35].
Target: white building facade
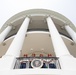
[38,41]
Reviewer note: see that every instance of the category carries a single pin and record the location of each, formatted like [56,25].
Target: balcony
[37,62]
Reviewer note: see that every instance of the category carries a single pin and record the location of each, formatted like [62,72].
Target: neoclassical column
[17,43]
[5,33]
[59,46]
[9,59]
[71,32]
[67,61]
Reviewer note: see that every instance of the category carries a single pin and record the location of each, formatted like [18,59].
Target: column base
[7,62]
[67,62]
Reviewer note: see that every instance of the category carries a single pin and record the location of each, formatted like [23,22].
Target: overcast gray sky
[8,8]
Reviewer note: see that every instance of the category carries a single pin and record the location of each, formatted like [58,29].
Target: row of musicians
[51,65]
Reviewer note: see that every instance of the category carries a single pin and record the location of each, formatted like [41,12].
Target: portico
[38,36]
